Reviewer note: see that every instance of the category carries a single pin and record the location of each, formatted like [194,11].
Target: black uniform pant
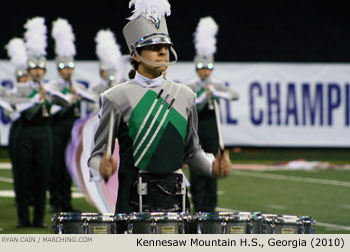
[12,142]
[32,166]
[60,180]
[203,191]
[203,188]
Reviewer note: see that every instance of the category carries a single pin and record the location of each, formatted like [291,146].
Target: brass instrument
[45,113]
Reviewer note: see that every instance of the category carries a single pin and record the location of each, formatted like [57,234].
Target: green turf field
[322,194]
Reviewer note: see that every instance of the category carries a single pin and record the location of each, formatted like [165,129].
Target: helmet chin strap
[156,64]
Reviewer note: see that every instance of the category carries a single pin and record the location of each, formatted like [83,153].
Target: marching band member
[16,50]
[111,64]
[155,122]
[34,148]
[63,118]
[203,188]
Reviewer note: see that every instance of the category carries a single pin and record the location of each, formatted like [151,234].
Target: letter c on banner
[259,119]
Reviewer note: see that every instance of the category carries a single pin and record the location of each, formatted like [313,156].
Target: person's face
[66,73]
[23,78]
[37,74]
[103,74]
[204,73]
[155,53]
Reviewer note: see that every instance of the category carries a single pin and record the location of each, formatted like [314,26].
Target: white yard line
[332,226]
[6,180]
[291,178]
[5,166]
[11,194]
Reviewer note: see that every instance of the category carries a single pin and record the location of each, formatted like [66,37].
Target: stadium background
[250,31]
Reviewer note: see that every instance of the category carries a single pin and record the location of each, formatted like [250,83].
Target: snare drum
[224,223]
[158,223]
[281,224]
[83,223]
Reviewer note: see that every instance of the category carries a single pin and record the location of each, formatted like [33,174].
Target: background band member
[34,150]
[63,118]
[111,63]
[203,188]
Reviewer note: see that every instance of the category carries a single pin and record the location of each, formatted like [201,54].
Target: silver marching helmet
[205,43]
[36,42]
[20,72]
[16,50]
[36,62]
[204,62]
[110,75]
[146,30]
[65,62]
[110,72]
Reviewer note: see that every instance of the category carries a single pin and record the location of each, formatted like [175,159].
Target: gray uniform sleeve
[101,135]
[85,94]
[195,156]
[54,95]
[22,102]
[224,92]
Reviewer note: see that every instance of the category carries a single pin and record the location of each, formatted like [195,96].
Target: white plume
[62,32]
[16,50]
[35,37]
[155,8]
[107,49]
[204,36]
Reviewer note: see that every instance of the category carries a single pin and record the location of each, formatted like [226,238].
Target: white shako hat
[110,57]
[63,35]
[147,26]
[205,43]
[35,41]
[16,50]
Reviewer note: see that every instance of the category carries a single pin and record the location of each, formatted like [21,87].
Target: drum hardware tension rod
[141,190]
[273,228]
[60,228]
[223,227]
[183,192]
[153,227]
[85,227]
[130,228]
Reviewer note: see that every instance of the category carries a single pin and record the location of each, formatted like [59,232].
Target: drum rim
[158,216]
[226,216]
[81,217]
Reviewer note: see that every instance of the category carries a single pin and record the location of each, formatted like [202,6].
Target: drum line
[182,223]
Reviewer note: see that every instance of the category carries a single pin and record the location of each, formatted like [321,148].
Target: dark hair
[132,74]
[133,62]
